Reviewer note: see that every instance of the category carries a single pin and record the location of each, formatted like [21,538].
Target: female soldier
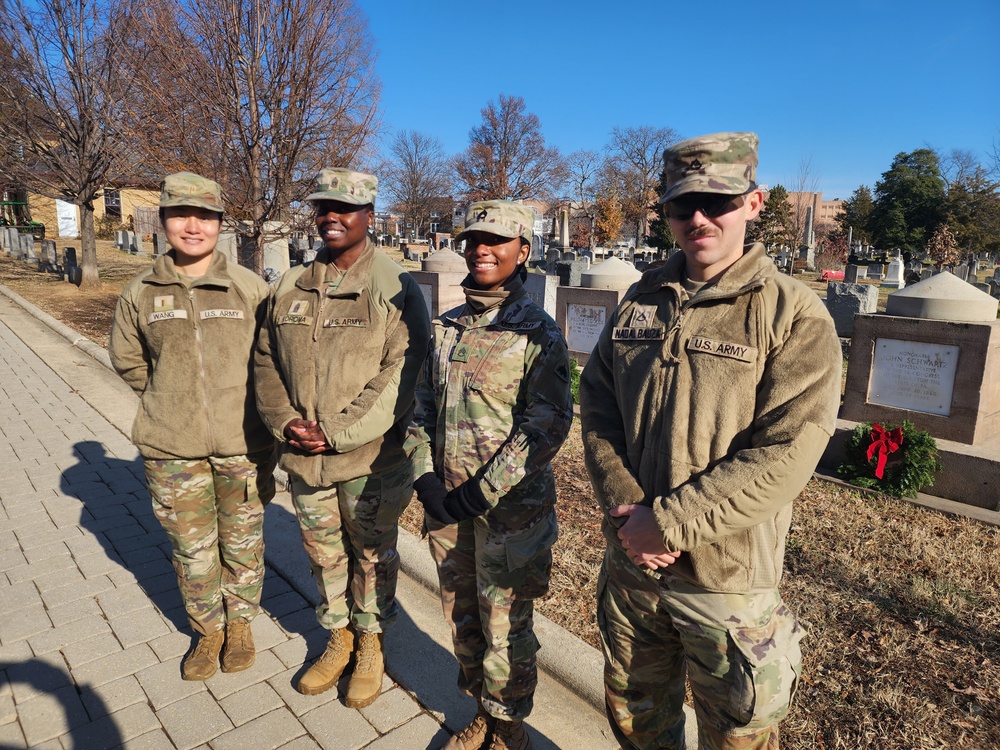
[337,363]
[182,338]
[493,408]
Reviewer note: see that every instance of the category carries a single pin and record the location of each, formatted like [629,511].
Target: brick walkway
[92,630]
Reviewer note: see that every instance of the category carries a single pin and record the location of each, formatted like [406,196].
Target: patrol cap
[189,189]
[344,185]
[502,218]
[723,163]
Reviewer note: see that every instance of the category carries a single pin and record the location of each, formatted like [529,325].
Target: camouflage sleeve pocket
[768,661]
[523,546]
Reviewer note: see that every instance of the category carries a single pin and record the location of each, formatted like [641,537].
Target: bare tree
[416,177]
[635,159]
[507,156]
[584,167]
[804,186]
[267,94]
[59,92]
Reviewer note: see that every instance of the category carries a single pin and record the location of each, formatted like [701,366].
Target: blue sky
[845,85]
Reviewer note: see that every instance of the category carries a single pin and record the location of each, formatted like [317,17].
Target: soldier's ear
[522,254]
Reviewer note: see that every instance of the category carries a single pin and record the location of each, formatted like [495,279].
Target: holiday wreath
[899,461]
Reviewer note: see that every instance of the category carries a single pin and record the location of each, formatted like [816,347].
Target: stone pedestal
[441,291]
[614,273]
[943,376]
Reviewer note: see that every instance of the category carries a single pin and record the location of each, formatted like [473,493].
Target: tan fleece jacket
[186,352]
[714,412]
[348,358]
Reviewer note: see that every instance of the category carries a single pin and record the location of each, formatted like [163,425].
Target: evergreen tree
[856,215]
[773,225]
[909,201]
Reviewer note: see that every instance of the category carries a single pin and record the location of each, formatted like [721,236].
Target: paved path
[92,630]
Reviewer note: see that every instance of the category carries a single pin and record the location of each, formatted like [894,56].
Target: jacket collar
[749,271]
[512,311]
[166,273]
[355,279]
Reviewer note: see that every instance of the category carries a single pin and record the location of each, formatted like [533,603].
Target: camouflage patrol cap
[344,185]
[723,163]
[189,189]
[502,218]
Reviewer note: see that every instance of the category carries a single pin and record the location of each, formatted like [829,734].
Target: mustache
[699,232]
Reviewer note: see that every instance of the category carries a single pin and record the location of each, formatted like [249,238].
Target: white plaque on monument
[428,293]
[584,324]
[913,375]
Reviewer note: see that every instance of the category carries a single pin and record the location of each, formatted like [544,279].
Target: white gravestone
[584,324]
[913,375]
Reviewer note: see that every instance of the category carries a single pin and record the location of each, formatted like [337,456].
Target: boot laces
[367,650]
[334,648]
[206,644]
[476,727]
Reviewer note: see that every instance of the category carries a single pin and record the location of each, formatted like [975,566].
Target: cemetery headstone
[845,300]
[570,272]
[894,275]
[541,288]
[28,249]
[160,246]
[905,363]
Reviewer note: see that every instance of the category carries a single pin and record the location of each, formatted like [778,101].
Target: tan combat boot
[326,670]
[475,736]
[203,660]
[510,735]
[239,652]
[366,681]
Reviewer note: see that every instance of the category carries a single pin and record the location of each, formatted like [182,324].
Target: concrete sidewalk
[92,630]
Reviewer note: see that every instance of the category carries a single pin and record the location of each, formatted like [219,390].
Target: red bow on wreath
[885,442]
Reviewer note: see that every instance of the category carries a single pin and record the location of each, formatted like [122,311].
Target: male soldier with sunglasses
[709,398]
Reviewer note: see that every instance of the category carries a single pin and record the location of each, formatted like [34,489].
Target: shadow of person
[41,691]
[117,511]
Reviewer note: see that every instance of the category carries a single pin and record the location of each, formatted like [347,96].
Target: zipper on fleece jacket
[198,345]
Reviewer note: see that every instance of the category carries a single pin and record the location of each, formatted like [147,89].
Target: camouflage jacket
[185,349]
[713,411]
[494,402]
[347,357]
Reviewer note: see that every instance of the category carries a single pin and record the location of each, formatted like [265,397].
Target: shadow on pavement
[36,680]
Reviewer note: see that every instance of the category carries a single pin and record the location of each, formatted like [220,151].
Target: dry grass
[902,603]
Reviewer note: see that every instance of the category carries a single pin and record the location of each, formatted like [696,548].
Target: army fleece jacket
[186,349]
[713,411]
[494,407]
[347,356]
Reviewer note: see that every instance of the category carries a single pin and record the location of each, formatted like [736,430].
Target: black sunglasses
[711,205]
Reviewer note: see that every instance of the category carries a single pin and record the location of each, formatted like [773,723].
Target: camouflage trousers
[212,510]
[489,581]
[350,531]
[739,651]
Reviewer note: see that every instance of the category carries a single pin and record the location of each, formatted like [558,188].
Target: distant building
[824,212]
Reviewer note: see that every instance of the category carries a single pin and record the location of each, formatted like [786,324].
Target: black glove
[432,495]
[466,501]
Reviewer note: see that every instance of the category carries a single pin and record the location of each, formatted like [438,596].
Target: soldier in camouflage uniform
[493,408]
[182,338]
[337,363]
[711,394]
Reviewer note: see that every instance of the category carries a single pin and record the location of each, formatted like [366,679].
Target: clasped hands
[306,435]
[464,502]
[641,537]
